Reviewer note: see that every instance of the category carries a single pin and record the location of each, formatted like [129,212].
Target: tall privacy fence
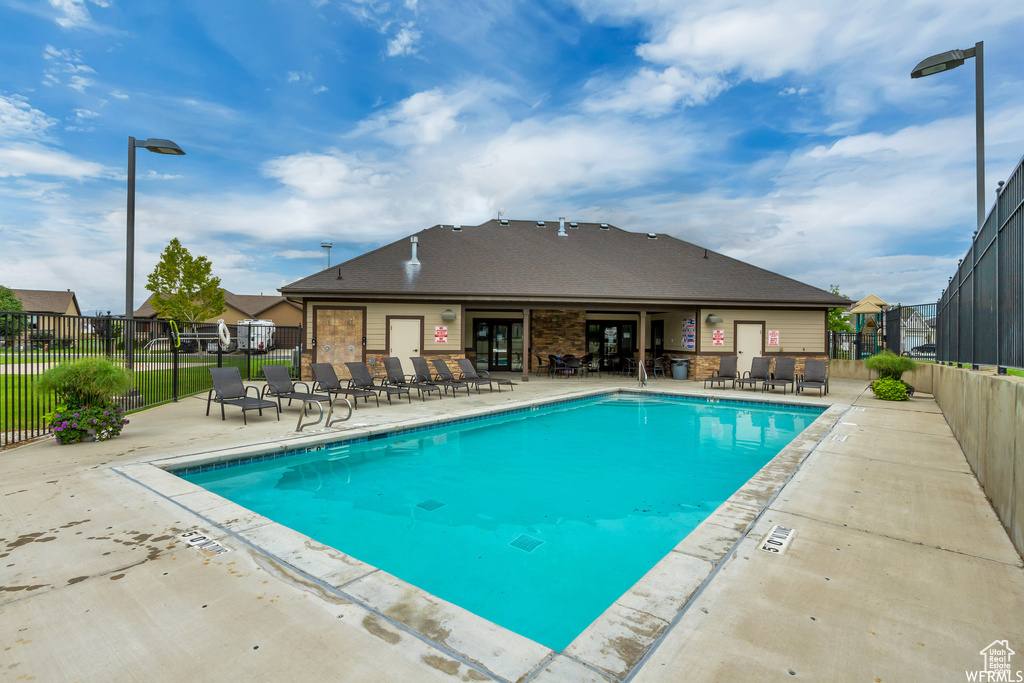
[162,370]
[905,330]
[981,313]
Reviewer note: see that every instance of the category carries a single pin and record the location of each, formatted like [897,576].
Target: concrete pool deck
[898,568]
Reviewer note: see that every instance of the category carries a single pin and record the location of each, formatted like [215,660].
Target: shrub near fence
[161,371]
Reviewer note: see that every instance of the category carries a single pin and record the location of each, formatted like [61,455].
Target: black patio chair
[472,374]
[229,390]
[327,380]
[280,385]
[362,379]
[423,374]
[575,367]
[758,372]
[445,376]
[815,376]
[785,374]
[396,376]
[726,372]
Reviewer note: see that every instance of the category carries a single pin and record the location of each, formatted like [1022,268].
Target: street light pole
[951,60]
[159,146]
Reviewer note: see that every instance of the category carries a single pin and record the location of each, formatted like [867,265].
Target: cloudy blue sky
[783,132]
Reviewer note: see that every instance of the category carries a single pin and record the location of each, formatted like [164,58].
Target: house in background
[245,307]
[55,313]
[48,302]
[506,294]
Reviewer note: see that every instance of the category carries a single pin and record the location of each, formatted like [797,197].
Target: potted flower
[890,368]
[85,410]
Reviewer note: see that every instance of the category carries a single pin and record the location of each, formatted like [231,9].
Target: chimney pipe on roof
[561,227]
[414,241]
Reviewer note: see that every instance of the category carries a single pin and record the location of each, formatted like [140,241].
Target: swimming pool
[535,520]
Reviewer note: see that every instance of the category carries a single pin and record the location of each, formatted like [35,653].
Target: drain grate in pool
[526,543]
[430,504]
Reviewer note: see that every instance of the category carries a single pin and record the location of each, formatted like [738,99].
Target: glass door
[611,341]
[498,345]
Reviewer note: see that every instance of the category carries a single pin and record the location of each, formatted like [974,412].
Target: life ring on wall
[224,333]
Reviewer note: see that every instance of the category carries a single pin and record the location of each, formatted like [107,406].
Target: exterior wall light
[449,314]
[712,319]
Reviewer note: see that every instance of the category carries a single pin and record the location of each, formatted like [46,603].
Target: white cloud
[19,120]
[66,63]
[118,95]
[422,119]
[298,254]
[654,92]
[31,159]
[322,176]
[404,43]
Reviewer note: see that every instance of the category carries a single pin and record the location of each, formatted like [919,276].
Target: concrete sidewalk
[899,569]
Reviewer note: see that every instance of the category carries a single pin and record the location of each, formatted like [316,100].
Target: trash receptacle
[679,367]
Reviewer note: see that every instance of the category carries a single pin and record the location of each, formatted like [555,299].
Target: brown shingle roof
[46,301]
[523,261]
[250,304]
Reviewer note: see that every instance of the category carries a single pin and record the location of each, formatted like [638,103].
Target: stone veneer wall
[554,332]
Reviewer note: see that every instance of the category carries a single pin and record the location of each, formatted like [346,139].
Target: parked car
[922,350]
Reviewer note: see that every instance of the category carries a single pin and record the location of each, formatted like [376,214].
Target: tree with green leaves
[10,325]
[836,321]
[184,287]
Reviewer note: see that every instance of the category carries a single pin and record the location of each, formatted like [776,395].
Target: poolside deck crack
[878,534]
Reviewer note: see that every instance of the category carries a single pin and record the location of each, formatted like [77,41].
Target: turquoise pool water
[537,520]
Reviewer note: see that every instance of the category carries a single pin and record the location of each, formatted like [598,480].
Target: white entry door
[749,344]
[405,340]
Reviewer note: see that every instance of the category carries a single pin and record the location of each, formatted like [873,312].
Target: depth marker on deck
[203,543]
[777,540]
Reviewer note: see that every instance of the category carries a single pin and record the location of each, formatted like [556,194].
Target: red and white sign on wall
[440,334]
[773,337]
[718,337]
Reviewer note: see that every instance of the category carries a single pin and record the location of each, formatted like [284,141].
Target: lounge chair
[423,374]
[444,373]
[280,385]
[393,368]
[471,374]
[726,372]
[815,376]
[785,373]
[229,390]
[362,379]
[758,372]
[327,380]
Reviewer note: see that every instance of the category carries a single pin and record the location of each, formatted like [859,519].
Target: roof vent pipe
[414,241]
[561,227]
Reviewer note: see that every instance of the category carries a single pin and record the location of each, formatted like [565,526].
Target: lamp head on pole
[941,62]
[160,146]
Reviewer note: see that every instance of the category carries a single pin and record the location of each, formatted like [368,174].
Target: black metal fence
[907,330]
[162,370]
[981,312]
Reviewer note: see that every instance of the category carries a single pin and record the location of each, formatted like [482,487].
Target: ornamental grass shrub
[889,365]
[85,389]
